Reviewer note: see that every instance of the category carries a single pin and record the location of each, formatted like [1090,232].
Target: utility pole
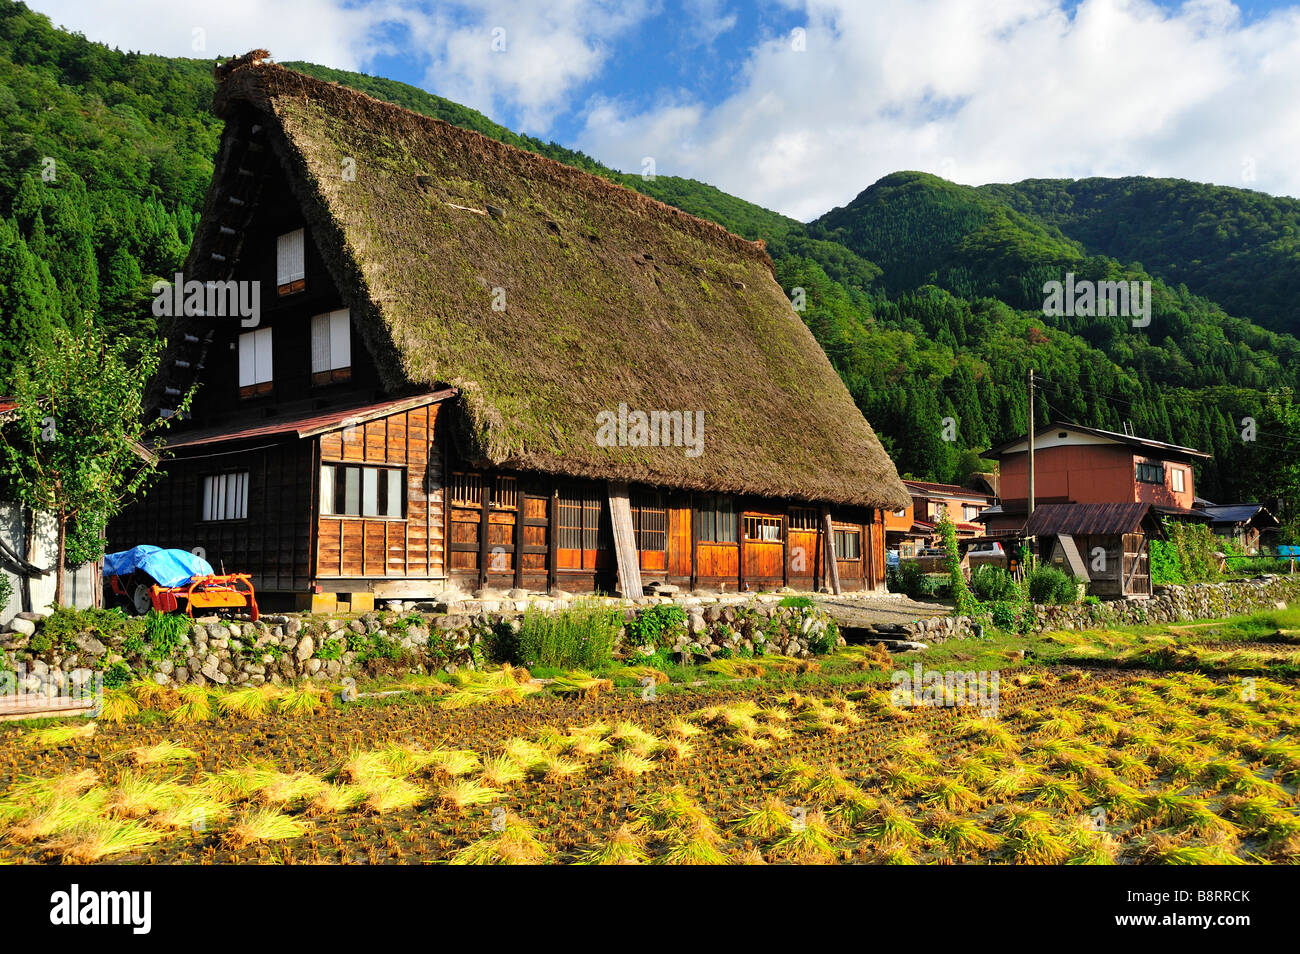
[1031,444]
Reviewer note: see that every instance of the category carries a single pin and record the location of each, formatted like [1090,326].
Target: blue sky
[800,104]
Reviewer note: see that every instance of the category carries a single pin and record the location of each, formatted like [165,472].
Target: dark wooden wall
[273,543]
[218,399]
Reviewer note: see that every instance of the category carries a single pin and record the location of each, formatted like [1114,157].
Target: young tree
[77,445]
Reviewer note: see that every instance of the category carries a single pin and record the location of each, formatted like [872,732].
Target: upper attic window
[331,347]
[290,263]
[255,363]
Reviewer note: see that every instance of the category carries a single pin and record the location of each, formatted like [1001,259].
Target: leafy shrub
[164,632]
[6,589]
[581,637]
[915,582]
[368,646]
[65,623]
[826,641]
[1005,614]
[994,583]
[1047,584]
[330,649]
[1166,569]
[800,602]
[1188,556]
[659,626]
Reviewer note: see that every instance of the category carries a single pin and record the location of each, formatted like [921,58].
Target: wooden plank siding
[566,540]
[409,547]
[474,528]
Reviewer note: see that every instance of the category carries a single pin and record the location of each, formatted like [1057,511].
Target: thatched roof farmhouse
[424,284]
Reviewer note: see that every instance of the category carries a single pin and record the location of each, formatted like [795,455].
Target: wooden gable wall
[410,547]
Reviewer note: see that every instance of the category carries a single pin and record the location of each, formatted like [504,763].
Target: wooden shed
[476,366]
[1104,545]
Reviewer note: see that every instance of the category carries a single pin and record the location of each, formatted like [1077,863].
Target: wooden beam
[866,553]
[832,569]
[785,548]
[695,544]
[620,516]
[484,521]
[553,539]
[444,452]
[519,534]
[740,547]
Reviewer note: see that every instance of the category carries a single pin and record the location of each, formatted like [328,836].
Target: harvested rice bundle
[624,847]
[581,684]
[135,796]
[58,736]
[259,825]
[163,753]
[515,844]
[93,840]
[250,702]
[195,705]
[465,793]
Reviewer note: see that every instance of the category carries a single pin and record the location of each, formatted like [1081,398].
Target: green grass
[580,637]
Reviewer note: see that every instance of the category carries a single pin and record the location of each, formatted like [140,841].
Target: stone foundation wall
[286,648]
[1169,604]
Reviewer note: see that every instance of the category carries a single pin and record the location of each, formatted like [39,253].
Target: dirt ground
[863,611]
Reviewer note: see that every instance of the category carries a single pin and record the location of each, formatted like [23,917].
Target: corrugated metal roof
[952,490]
[1240,513]
[305,425]
[1053,519]
[1147,444]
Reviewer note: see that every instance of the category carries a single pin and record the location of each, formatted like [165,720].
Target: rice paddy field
[1179,746]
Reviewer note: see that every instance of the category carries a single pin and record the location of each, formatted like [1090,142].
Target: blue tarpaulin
[167,567]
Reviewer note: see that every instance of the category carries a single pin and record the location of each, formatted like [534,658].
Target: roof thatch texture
[609,297]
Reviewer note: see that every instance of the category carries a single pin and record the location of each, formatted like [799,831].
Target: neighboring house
[930,501]
[1104,545]
[28,556]
[455,339]
[1085,465]
[903,533]
[1247,525]
[29,549]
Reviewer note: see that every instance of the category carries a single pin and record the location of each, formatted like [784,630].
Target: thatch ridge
[611,297]
[260,82]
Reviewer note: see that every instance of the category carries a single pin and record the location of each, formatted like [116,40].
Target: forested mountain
[926,295]
[1237,247]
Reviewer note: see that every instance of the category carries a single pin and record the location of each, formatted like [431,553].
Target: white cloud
[979,92]
[524,55]
[975,90]
[332,33]
[544,50]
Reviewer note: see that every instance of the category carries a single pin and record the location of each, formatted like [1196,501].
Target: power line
[1062,389]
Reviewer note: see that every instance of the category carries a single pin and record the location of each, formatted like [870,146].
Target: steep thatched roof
[609,297]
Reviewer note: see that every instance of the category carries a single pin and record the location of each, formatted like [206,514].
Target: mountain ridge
[925,294]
